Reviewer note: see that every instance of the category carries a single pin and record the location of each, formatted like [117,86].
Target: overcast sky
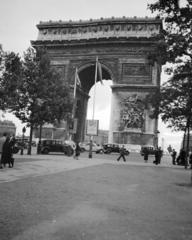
[18,20]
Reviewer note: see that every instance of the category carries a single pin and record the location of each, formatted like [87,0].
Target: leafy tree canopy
[177,19]
[176,99]
[35,91]
[173,101]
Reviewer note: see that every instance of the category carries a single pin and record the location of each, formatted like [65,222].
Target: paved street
[54,197]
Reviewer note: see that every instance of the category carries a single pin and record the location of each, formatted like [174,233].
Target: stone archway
[123,46]
[87,77]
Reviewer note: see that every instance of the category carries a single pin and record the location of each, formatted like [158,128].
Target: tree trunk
[40,135]
[187,146]
[184,137]
[30,140]
[40,132]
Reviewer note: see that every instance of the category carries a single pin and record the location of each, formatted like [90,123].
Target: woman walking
[7,153]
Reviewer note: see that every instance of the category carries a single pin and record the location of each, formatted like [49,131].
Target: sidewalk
[40,165]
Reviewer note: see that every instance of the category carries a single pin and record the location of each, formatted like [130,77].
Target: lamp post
[156,138]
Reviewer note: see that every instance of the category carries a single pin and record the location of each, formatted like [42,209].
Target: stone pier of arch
[123,46]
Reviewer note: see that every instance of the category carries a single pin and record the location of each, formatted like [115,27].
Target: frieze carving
[95,29]
[128,50]
[132,113]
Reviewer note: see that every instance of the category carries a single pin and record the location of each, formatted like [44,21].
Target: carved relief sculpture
[132,113]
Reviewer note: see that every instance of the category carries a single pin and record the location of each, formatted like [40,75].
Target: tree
[175,101]
[10,79]
[36,92]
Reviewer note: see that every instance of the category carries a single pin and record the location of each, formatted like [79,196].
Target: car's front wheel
[68,151]
[45,151]
[108,151]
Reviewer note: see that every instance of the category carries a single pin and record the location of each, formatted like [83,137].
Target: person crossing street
[122,151]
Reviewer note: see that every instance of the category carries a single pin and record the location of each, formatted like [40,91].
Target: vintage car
[95,147]
[113,148]
[54,145]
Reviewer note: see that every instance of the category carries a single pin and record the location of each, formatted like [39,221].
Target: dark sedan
[113,148]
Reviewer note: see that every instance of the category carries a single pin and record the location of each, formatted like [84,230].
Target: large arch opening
[93,90]
[100,104]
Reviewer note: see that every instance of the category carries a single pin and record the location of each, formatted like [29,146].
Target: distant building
[49,131]
[7,127]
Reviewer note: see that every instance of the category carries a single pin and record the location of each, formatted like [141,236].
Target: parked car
[113,148]
[54,145]
[95,147]
[149,149]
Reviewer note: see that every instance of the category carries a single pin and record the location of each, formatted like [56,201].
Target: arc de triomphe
[122,46]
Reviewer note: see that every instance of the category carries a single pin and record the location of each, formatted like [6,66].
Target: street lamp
[156,138]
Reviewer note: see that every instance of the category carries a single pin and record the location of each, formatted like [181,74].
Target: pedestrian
[12,142]
[190,159]
[156,156]
[7,153]
[146,155]
[169,149]
[77,151]
[2,140]
[173,155]
[39,147]
[122,154]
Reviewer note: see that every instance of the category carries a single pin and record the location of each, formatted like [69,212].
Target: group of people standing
[181,159]
[158,155]
[7,143]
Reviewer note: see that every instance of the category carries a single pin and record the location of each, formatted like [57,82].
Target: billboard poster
[92,127]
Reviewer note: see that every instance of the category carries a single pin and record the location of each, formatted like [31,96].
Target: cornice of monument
[111,20]
[104,28]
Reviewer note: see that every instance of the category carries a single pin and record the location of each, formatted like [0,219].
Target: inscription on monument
[136,73]
[136,69]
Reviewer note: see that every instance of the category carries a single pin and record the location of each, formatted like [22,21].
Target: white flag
[77,82]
